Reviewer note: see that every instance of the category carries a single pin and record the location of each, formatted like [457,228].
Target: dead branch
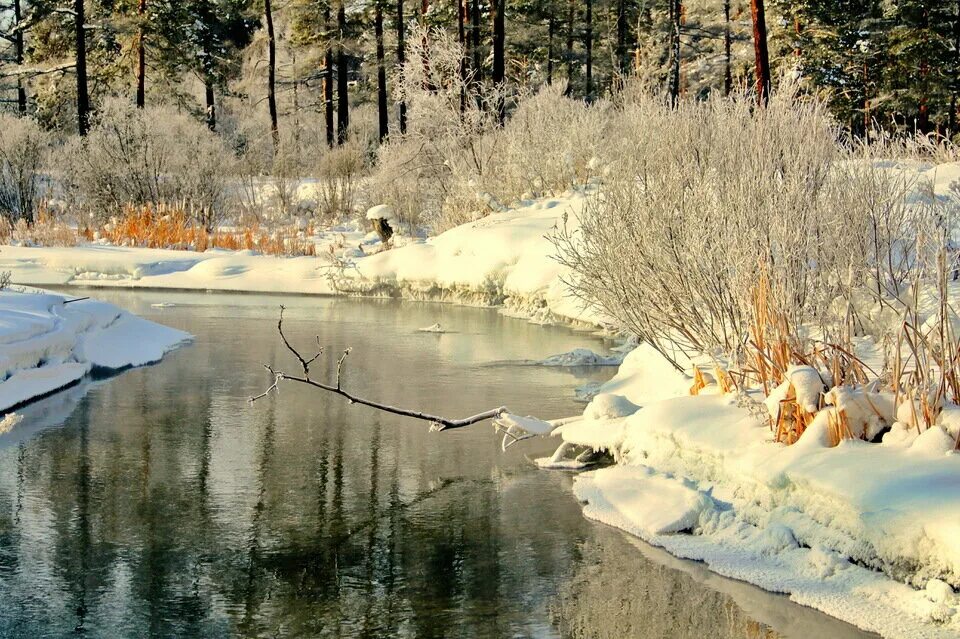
[437,423]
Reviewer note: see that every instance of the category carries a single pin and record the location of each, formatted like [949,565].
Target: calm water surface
[158,503]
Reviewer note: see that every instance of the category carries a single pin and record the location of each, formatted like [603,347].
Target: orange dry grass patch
[170,228]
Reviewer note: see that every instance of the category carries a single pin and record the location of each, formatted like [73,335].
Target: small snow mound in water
[609,406]
[434,328]
[162,305]
[582,357]
[9,421]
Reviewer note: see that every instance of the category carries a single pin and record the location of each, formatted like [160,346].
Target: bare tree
[381,72]
[761,54]
[272,75]
[141,53]
[83,94]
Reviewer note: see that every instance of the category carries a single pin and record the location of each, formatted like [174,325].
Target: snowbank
[842,529]
[47,343]
[503,259]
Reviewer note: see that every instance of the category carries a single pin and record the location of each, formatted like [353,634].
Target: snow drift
[48,343]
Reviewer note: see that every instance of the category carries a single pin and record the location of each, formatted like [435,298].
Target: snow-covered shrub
[338,173]
[148,156]
[456,163]
[445,145]
[721,225]
[24,148]
[549,144]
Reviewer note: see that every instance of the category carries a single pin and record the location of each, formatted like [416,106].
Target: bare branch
[437,422]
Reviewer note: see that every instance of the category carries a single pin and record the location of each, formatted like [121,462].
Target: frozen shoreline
[868,533]
[49,343]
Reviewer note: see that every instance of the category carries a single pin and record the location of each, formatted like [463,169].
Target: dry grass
[160,227]
[171,228]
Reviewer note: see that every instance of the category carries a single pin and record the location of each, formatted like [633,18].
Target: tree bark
[83,95]
[499,74]
[401,57]
[589,44]
[384,120]
[328,82]
[952,121]
[211,105]
[551,27]
[676,11]
[462,41]
[761,55]
[141,56]
[476,27]
[272,76]
[727,45]
[343,104]
[570,28]
[621,36]
[18,51]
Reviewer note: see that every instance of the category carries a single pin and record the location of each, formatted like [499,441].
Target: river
[160,503]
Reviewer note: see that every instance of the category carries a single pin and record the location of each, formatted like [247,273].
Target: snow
[47,344]
[433,328]
[864,532]
[381,212]
[582,357]
[503,259]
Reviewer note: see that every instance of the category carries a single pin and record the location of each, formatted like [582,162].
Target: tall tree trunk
[923,122]
[18,51]
[866,101]
[551,28]
[462,41]
[589,43]
[952,121]
[727,45]
[272,76]
[762,57]
[621,36]
[381,72]
[499,68]
[401,57]
[477,29]
[83,95]
[676,11]
[211,105]
[328,82]
[141,56]
[343,104]
[571,15]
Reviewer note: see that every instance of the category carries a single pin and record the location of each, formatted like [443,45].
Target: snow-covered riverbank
[865,532]
[503,259]
[48,342]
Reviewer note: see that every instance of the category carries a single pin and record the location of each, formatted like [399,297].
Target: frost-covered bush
[457,163]
[148,156]
[716,215]
[24,148]
[421,174]
[339,171]
[549,144]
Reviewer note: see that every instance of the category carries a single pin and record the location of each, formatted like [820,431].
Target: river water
[159,503]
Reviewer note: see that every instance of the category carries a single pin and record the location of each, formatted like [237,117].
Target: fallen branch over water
[501,416]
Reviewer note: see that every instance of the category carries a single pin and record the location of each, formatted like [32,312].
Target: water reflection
[164,506]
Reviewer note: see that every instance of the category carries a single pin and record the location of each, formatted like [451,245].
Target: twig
[437,422]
